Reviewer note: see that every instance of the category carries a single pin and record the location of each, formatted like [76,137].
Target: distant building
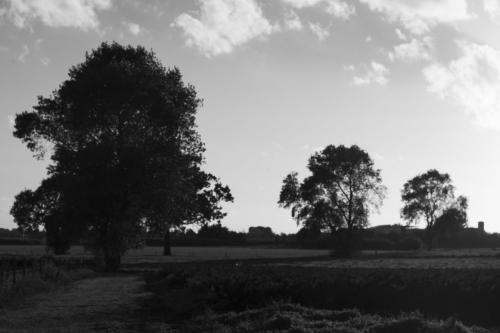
[260,235]
[479,229]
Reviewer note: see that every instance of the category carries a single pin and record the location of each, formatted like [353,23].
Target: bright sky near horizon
[416,83]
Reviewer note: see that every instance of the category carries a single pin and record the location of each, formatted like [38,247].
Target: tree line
[345,187]
[125,157]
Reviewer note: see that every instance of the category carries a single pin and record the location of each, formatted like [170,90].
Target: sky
[415,83]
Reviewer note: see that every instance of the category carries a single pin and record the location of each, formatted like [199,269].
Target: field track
[99,304]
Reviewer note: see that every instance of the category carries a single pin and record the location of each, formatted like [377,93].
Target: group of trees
[126,159]
[344,187]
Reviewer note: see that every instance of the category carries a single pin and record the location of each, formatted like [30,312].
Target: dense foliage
[340,192]
[125,154]
[431,197]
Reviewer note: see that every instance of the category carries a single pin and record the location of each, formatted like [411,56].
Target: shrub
[409,243]
[378,244]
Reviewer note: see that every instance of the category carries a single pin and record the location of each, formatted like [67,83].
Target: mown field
[154,255]
[439,258]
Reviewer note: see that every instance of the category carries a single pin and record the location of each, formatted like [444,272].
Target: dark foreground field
[238,292]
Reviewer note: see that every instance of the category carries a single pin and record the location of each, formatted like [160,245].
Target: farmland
[154,255]
[236,289]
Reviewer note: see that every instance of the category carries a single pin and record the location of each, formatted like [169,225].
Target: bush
[409,243]
[378,244]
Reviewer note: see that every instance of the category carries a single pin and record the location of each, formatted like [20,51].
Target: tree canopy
[426,196]
[454,218]
[124,152]
[344,186]
[429,196]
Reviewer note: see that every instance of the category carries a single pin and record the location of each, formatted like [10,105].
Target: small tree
[426,197]
[453,218]
[197,201]
[343,188]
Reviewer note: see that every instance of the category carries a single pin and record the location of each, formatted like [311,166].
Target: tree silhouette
[124,151]
[196,201]
[343,188]
[453,219]
[426,197]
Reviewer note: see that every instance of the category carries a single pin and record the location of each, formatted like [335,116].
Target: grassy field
[408,263]
[286,290]
[439,258]
[179,254]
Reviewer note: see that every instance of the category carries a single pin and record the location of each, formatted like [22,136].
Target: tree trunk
[166,243]
[430,236]
[349,244]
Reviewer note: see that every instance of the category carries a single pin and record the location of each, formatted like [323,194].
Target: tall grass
[471,295]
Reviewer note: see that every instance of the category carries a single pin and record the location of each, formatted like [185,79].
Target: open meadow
[152,255]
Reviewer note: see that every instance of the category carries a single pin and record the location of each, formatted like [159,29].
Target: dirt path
[99,304]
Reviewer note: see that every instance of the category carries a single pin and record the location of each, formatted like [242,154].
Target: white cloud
[319,31]
[336,8]
[223,25]
[292,21]
[134,28]
[54,13]
[419,16]
[368,39]
[340,9]
[375,74]
[24,53]
[401,35]
[414,50]
[492,8]
[472,81]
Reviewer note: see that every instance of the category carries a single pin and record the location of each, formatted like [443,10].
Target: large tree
[124,150]
[344,186]
[428,196]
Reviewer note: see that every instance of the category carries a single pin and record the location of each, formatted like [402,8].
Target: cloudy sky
[416,83]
